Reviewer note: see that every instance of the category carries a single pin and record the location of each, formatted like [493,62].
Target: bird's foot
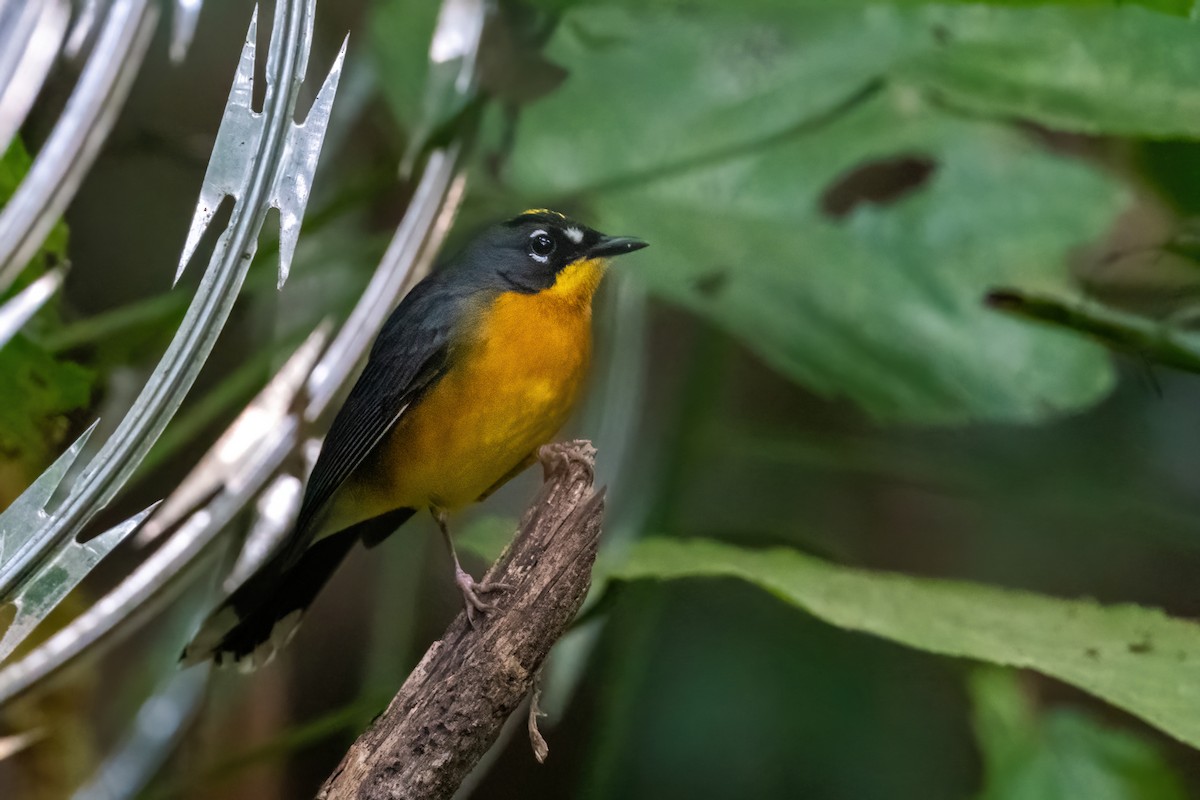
[558,457]
[471,591]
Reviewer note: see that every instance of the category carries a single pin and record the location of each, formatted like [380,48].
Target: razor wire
[262,160]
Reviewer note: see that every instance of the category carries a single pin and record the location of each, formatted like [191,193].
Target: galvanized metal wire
[262,160]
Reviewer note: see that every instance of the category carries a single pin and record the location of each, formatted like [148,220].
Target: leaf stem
[1155,340]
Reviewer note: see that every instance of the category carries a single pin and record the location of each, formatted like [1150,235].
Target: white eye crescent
[541,245]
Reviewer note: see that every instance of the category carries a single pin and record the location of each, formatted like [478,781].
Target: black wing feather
[410,355]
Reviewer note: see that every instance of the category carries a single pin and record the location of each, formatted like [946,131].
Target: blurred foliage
[1160,341]
[400,31]
[486,537]
[842,197]
[1176,7]
[38,389]
[768,196]
[842,187]
[1130,656]
[752,144]
[63,752]
[1059,754]
[38,392]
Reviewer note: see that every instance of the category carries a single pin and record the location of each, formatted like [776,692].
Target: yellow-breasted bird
[477,367]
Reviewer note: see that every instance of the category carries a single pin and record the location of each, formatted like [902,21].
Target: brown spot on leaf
[712,283]
[1144,646]
[1092,652]
[879,183]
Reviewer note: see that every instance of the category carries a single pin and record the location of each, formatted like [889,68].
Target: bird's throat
[577,282]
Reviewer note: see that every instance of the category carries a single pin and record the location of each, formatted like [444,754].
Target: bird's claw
[559,456]
[471,589]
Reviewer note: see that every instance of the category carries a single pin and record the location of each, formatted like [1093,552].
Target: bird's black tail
[263,614]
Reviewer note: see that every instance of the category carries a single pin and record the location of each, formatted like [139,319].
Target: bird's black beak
[609,246]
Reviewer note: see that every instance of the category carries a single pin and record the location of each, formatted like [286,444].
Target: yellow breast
[509,389]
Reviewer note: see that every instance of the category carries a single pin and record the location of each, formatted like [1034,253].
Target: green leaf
[1138,659]
[652,92]
[846,233]
[35,394]
[1180,8]
[400,32]
[486,536]
[37,390]
[1151,339]
[1124,70]
[1061,754]
[705,72]
[15,162]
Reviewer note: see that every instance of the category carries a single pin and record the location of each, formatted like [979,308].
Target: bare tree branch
[452,706]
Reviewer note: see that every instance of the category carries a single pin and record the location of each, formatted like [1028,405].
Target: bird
[477,367]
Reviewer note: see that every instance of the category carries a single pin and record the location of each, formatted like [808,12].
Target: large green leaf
[727,143]
[1138,659]
[1095,67]
[653,91]
[1061,754]
[1124,70]
[400,32]
[1176,7]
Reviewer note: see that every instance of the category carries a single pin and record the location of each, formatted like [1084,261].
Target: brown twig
[454,703]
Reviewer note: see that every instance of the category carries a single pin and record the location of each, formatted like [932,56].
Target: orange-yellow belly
[506,394]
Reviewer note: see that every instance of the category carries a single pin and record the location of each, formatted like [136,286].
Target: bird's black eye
[541,245]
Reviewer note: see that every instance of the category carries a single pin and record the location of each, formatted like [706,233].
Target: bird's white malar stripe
[574,234]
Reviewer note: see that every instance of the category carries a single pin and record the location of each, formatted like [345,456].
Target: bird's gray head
[531,252]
